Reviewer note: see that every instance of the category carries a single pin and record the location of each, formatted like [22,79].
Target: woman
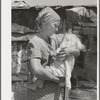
[38,54]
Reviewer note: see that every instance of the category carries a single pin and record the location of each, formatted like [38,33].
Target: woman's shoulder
[38,43]
[36,40]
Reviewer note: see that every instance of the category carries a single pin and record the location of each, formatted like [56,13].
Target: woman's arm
[69,51]
[41,72]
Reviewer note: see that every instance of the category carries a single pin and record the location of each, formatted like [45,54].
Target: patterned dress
[38,48]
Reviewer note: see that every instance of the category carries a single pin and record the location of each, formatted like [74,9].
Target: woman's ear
[37,26]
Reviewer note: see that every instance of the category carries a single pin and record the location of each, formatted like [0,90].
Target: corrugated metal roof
[20,5]
[81,16]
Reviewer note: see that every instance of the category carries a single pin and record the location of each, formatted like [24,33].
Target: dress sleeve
[34,51]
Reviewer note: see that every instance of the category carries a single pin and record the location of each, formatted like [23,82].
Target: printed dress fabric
[37,48]
[50,91]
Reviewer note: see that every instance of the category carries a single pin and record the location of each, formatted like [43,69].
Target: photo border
[6,50]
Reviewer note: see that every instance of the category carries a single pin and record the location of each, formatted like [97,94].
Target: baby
[60,67]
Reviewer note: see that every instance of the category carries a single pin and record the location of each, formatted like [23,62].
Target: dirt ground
[83,94]
[85,91]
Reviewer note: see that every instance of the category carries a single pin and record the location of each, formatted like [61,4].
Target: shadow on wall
[88,70]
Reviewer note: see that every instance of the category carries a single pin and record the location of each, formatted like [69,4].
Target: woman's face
[50,28]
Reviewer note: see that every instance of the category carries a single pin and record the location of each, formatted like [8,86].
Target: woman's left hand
[63,53]
[69,51]
[53,53]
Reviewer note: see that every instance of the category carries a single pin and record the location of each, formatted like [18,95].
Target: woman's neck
[44,37]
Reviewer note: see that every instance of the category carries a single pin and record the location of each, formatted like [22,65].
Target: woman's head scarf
[47,15]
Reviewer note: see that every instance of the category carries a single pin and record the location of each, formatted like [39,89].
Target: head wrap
[47,15]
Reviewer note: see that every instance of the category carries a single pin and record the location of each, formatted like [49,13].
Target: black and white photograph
[43,66]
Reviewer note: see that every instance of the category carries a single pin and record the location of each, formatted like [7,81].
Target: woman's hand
[63,53]
[41,72]
[53,53]
[69,51]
